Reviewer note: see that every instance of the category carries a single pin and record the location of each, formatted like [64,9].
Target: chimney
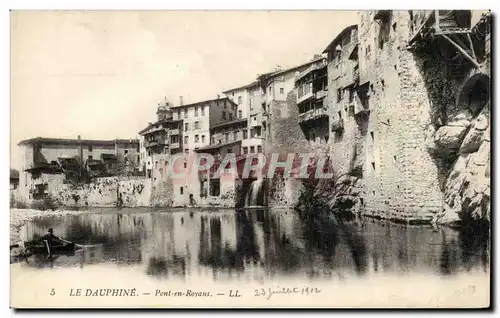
[181,101]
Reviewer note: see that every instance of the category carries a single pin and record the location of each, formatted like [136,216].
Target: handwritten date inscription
[278,291]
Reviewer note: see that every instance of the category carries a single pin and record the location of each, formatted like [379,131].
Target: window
[240,114]
[224,115]
[252,149]
[373,165]
[186,126]
[196,138]
[196,125]
[195,110]
[126,152]
[339,95]
[240,100]
[181,190]
[178,114]
[186,151]
[282,90]
[186,113]
[245,150]
[235,135]
[250,102]
[245,134]
[226,137]
[225,105]
[90,148]
[215,187]
[186,139]
[270,89]
[230,116]
[254,118]
[203,138]
[90,157]
[213,139]
[372,135]
[259,149]
[229,150]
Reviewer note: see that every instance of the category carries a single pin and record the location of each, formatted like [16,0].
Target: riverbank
[19,217]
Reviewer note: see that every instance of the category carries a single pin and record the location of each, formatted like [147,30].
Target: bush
[47,203]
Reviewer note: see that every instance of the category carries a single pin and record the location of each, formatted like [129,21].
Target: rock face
[449,137]
[467,189]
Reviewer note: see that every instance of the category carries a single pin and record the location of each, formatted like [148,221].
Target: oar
[79,245]
[48,247]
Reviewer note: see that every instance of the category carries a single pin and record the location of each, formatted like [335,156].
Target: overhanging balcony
[451,27]
[321,94]
[174,132]
[175,145]
[313,114]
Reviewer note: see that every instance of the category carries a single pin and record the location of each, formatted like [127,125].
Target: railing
[174,132]
[175,145]
[313,114]
[305,97]
[321,94]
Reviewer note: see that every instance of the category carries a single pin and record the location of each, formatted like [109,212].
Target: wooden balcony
[313,114]
[451,27]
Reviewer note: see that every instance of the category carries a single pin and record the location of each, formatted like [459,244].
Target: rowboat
[41,247]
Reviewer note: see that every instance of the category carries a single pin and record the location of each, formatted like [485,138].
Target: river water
[255,245]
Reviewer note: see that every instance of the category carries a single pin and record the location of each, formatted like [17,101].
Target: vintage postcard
[250,159]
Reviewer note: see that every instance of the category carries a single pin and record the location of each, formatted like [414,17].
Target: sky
[101,74]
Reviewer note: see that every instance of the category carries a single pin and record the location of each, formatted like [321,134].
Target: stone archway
[474,94]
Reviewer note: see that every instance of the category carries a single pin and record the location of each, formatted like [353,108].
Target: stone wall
[286,136]
[416,128]
[102,192]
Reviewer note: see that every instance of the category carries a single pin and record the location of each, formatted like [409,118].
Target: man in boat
[51,238]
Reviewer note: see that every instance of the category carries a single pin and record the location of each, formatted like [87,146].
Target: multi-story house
[160,140]
[276,100]
[311,88]
[343,79]
[249,100]
[199,117]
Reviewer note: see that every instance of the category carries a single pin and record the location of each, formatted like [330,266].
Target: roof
[291,69]
[217,146]
[254,83]
[63,141]
[163,121]
[339,37]
[203,102]
[311,69]
[227,123]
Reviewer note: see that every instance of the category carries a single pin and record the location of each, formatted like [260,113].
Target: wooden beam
[471,46]
[476,64]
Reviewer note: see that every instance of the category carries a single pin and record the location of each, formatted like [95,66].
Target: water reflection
[257,245]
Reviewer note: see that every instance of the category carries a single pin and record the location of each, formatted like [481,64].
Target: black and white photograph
[250,159]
